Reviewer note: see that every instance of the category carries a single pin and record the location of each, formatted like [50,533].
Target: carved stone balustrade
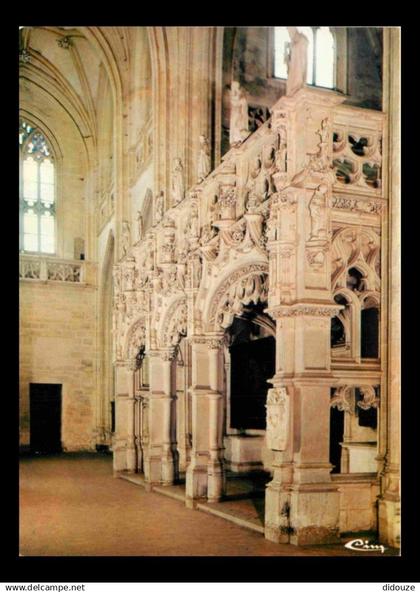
[41,268]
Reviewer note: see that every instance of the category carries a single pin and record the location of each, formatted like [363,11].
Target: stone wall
[57,345]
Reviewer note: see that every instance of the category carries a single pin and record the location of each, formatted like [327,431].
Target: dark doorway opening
[252,364]
[45,418]
[370,333]
[336,437]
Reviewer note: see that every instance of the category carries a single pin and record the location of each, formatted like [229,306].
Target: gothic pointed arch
[173,325]
[243,285]
[135,338]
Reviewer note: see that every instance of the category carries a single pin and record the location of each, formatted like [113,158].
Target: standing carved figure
[194,229]
[125,237]
[297,61]
[239,124]
[324,134]
[140,225]
[159,207]
[203,159]
[281,156]
[178,188]
[317,208]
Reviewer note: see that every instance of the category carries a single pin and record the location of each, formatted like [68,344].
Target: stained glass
[281,39]
[30,179]
[37,201]
[47,233]
[30,229]
[24,131]
[324,58]
[38,146]
[321,50]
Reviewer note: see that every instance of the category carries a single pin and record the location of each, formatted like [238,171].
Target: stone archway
[245,284]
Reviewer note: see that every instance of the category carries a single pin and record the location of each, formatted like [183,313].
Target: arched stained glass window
[37,191]
[321,54]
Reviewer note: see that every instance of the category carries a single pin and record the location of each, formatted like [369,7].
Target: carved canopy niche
[247,285]
[174,324]
[136,338]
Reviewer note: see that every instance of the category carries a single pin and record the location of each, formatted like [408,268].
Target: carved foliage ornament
[342,399]
[136,338]
[369,398]
[252,288]
[357,205]
[176,327]
[219,298]
[304,310]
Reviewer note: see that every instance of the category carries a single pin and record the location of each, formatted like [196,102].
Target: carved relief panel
[278,403]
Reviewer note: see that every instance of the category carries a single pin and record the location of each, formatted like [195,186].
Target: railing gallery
[34,267]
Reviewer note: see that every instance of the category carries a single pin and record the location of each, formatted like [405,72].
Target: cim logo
[361,545]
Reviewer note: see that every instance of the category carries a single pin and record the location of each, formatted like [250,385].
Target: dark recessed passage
[45,418]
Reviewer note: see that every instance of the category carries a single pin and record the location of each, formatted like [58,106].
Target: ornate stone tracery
[357,247]
[175,326]
[246,285]
[136,338]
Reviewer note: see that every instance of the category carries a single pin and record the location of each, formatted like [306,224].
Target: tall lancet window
[37,191]
[321,55]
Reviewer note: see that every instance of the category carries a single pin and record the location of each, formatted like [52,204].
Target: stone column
[131,448]
[168,468]
[159,459]
[205,472]
[137,432]
[215,470]
[389,502]
[302,503]
[121,424]
[197,470]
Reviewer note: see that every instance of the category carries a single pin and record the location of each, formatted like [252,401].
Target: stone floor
[70,505]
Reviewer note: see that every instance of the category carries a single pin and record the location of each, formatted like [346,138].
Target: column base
[389,514]
[277,534]
[215,482]
[119,459]
[315,535]
[196,482]
[302,515]
[191,503]
[152,469]
[131,459]
[167,470]
[277,508]
[314,515]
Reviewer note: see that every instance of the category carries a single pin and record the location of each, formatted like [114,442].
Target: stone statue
[159,207]
[140,224]
[177,184]
[297,61]
[281,156]
[125,237]
[193,222]
[324,134]
[317,208]
[239,129]
[203,159]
